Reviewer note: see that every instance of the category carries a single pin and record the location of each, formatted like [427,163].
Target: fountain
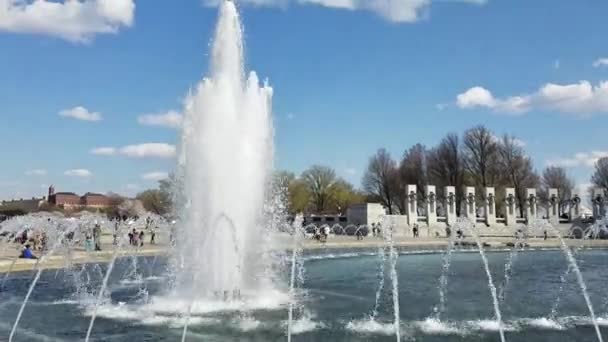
[227,157]
[235,266]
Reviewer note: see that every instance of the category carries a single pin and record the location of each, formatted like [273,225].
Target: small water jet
[296,250]
[579,276]
[466,224]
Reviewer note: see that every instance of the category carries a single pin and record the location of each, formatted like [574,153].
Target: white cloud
[72,20]
[600,62]
[104,151]
[36,172]
[84,173]
[406,11]
[585,159]
[516,141]
[155,176]
[147,150]
[171,119]
[80,113]
[579,99]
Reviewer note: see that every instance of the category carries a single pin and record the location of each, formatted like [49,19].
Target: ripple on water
[490,325]
[371,326]
[433,326]
[543,323]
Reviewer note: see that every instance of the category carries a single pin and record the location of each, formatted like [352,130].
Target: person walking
[97,236]
[153,236]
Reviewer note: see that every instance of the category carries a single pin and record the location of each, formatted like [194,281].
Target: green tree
[343,196]
[298,196]
[155,201]
[319,181]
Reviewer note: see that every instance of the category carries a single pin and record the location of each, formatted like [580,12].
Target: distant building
[93,200]
[319,220]
[21,206]
[365,213]
[70,200]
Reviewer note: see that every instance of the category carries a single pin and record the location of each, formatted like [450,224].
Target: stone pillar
[470,209]
[553,207]
[510,209]
[530,205]
[490,206]
[450,205]
[575,207]
[431,205]
[412,205]
[599,203]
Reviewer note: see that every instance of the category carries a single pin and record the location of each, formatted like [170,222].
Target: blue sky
[349,77]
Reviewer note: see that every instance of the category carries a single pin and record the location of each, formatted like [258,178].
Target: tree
[155,201]
[481,156]
[556,177]
[412,170]
[600,174]
[445,166]
[517,169]
[344,195]
[381,179]
[298,196]
[319,180]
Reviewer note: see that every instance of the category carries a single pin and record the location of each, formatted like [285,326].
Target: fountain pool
[336,302]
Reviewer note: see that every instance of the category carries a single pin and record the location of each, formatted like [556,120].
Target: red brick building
[69,200]
[94,200]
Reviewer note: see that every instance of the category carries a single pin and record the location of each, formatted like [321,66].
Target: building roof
[93,194]
[65,193]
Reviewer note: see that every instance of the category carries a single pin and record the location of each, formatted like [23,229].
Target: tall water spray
[225,160]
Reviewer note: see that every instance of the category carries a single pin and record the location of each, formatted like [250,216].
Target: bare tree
[600,174]
[380,179]
[517,169]
[319,180]
[412,170]
[445,166]
[481,156]
[556,177]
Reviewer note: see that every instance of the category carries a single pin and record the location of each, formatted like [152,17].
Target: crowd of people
[34,241]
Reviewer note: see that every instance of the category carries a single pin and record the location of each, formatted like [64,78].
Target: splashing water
[381,276]
[40,268]
[439,309]
[469,226]
[226,157]
[509,270]
[579,277]
[296,249]
[388,233]
[104,285]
